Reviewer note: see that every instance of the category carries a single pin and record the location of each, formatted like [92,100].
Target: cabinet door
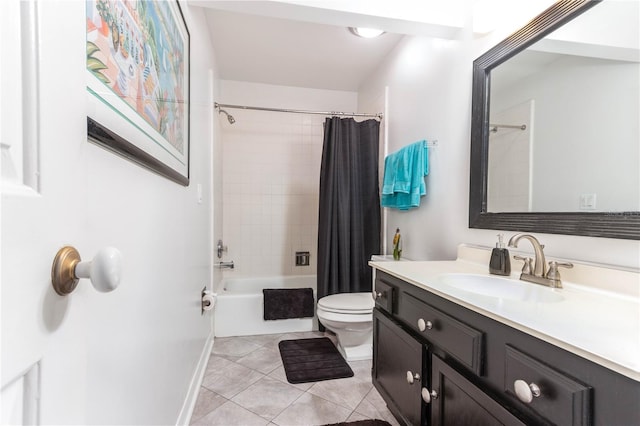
[397,369]
[457,401]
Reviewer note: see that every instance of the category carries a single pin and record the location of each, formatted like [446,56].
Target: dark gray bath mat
[373,422]
[312,360]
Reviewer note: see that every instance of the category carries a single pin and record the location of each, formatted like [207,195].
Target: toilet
[350,317]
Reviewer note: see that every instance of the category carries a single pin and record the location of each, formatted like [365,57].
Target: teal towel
[404,172]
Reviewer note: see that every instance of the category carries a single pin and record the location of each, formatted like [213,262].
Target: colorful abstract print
[136,49]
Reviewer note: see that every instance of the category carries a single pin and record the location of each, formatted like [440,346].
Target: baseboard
[196,381]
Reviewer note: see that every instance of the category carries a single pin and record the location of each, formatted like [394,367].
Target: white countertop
[600,325]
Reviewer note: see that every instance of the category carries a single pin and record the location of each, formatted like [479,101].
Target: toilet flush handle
[379,295]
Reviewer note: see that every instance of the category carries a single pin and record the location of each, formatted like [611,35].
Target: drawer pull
[428,396]
[525,391]
[411,377]
[424,325]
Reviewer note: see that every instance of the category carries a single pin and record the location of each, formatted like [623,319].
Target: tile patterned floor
[245,384]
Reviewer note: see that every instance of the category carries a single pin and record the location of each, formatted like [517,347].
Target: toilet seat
[347,303]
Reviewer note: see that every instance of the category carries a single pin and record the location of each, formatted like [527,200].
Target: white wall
[144,340]
[589,132]
[271,176]
[429,84]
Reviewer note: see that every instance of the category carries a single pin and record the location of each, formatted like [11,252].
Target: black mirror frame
[624,225]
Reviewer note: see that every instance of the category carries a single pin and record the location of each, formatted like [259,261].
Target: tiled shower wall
[271,178]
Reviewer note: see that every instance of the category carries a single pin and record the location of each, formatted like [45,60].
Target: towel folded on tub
[283,303]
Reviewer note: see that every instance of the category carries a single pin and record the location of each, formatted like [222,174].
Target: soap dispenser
[499,263]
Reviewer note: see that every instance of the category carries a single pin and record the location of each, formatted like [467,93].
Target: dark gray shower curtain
[349,212]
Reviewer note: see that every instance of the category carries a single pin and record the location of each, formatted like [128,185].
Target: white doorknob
[104,271]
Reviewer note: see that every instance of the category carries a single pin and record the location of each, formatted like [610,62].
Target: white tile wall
[271,178]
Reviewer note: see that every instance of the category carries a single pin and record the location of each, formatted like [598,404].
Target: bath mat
[368,422]
[312,360]
[284,303]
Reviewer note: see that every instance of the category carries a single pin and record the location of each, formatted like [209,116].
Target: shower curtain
[349,208]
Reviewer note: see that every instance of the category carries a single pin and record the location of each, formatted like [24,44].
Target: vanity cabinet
[438,363]
[398,368]
[460,402]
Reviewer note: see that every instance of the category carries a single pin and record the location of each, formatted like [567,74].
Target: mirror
[555,143]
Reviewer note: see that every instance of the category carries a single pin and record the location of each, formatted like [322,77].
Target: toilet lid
[353,303]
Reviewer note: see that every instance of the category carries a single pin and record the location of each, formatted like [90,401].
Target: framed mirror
[555,146]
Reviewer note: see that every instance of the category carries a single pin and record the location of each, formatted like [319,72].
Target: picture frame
[138,83]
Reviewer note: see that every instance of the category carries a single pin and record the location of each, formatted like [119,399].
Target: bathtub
[239,307]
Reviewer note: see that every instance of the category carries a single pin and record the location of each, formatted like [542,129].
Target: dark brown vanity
[438,363]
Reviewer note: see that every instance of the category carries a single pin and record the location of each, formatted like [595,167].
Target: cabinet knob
[411,377]
[424,325]
[427,395]
[526,391]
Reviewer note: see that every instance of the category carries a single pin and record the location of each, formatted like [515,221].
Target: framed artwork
[138,83]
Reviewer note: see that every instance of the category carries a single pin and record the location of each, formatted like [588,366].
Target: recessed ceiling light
[366,32]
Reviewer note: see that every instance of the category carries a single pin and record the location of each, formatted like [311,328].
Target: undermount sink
[501,288]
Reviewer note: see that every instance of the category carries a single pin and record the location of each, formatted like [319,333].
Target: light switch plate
[587,201]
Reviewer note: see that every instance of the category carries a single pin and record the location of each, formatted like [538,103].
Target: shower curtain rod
[300,111]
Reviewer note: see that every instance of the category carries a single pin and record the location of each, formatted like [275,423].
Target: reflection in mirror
[563,132]
[562,101]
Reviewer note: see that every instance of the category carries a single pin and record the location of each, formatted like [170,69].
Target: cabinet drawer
[463,343]
[561,400]
[385,295]
[457,401]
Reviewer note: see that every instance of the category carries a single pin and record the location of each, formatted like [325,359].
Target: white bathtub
[239,307]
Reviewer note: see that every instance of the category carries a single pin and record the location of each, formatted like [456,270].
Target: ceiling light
[366,32]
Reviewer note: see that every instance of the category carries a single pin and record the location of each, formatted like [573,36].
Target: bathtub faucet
[225,265]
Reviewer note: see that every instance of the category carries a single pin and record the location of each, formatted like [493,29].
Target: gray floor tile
[273,344]
[279,374]
[232,347]
[374,407]
[231,414]
[361,370]
[207,401]
[267,397]
[217,363]
[245,384]
[264,360]
[346,392]
[311,410]
[232,380]
[262,339]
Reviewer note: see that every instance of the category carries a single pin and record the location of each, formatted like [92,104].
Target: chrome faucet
[539,274]
[539,265]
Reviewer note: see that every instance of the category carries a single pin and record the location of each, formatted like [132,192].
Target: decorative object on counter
[404,171]
[500,263]
[312,360]
[397,245]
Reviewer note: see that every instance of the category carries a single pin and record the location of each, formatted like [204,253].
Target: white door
[43,371]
